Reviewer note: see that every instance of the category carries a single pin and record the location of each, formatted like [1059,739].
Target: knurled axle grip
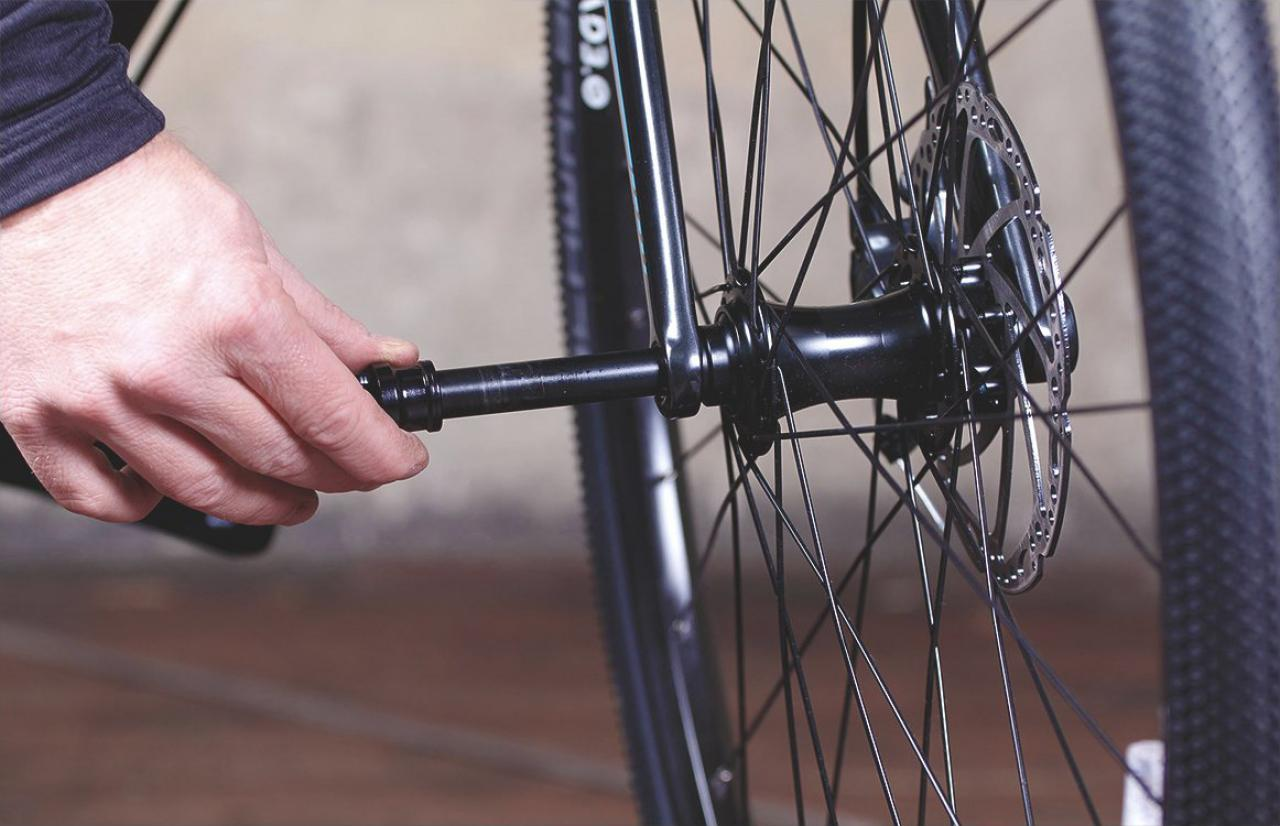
[421,397]
[409,395]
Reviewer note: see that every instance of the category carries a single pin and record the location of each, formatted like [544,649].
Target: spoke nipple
[681,627]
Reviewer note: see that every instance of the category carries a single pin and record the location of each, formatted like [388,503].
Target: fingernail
[421,461]
[398,350]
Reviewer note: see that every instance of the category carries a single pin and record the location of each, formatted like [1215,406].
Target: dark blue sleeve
[67,108]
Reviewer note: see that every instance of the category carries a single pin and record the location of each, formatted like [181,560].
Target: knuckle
[157,380]
[339,318]
[247,310]
[240,212]
[85,504]
[96,504]
[334,428]
[271,510]
[207,492]
[226,208]
[283,461]
[21,418]
[86,406]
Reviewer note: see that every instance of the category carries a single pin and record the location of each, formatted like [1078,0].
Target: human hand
[146,309]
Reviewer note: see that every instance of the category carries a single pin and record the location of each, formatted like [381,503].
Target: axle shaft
[885,347]
[421,397]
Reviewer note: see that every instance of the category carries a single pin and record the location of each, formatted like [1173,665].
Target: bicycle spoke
[726,506]
[886,131]
[846,138]
[753,133]
[1006,683]
[1059,734]
[820,117]
[811,514]
[1015,346]
[826,123]
[780,589]
[933,666]
[983,532]
[844,620]
[935,179]
[687,454]
[883,57]
[762,146]
[701,230]
[964,521]
[1055,433]
[699,298]
[1025,23]
[884,75]
[740,757]
[859,611]
[864,163]
[773,567]
[846,712]
[970,580]
[719,169]
[860,560]
[1085,717]
[975,418]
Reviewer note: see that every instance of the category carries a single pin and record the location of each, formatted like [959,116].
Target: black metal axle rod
[422,397]
[887,347]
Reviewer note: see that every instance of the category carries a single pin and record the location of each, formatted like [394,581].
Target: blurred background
[428,653]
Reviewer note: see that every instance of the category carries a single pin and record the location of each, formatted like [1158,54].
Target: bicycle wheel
[966,485]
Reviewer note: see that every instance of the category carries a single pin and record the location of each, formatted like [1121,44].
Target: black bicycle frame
[690,366]
[645,112]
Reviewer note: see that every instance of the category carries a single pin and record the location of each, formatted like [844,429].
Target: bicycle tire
[1220,181]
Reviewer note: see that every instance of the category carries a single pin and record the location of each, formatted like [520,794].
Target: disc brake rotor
[1005,281]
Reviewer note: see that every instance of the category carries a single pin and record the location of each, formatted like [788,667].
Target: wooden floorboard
[507,651]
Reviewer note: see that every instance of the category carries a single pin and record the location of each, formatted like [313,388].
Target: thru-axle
[886,347]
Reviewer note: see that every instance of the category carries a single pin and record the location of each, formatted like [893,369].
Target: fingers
[79,478]
[237,422]
[278,355]
[348,338]
[180,464]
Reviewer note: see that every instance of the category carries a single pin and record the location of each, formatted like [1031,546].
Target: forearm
[67,108]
